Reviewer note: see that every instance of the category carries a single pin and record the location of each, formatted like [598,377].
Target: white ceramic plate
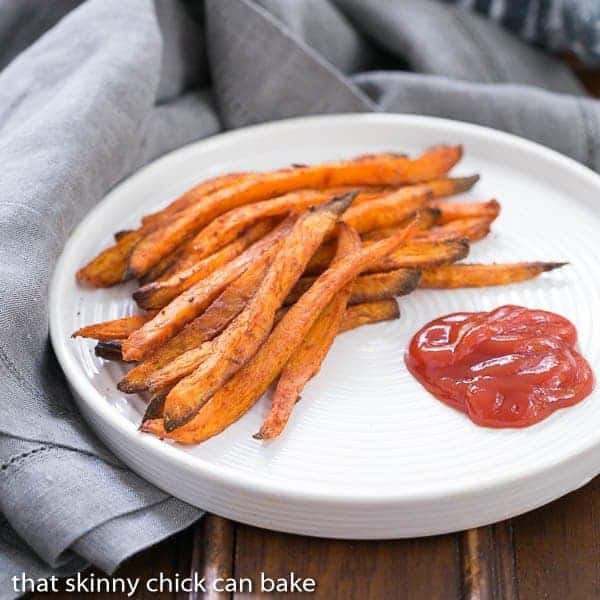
[368,453]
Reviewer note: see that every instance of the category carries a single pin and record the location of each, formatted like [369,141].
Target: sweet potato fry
[121,234]
[388,210]
[109,350]
[188,305]
[354,317]
[228,225]
[421,255]
[429,218]
[369,312]
[414,254]
[449,186]
[306,361]
[426,219]
[203,328]
[224,228]
[383,169]
[196,194]
[236,345]
[155,408]
[439,188]
[367,288]
[451,211]
[117,329]
[249,383]
[185,364]
[110,266]
[472,230]
[216,318]
[480,275]
[158,294]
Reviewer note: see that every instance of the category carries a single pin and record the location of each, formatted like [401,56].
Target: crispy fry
[185,364]
[367,288]
[155,408]
[414,254]
[480,275]
[355,316]
[121,234]
[227,226]
[250,382]
[306,361]
[158,294]
[449,186]
[181,258]
[109,350]
[196,194]
[418,254]
[439,188]
[110,266]
[236,345]
[451,211]
[388,210]
[203,328]
[117,329]
[188,305]
[472,229]
[426,219]
[369,312]
[383,169]
[429,218]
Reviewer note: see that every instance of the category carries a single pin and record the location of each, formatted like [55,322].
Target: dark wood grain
[427,568]
[487,560]
[211,551]
[557,548]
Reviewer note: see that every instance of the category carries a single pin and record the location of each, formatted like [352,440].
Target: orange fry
[369,312]
[388,210]
[451,211]
[429,217]
[228,225]
[413,254]
[480,275]
[188,305]
[158,294]
[196,194]
[110,266]
[117,329]
[306,361]
[203,328]
[367,288]
[236,345]
[382,169]
[472,229]
[355,316]
[250,382]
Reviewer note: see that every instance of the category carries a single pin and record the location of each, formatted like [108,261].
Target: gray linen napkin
[93,90]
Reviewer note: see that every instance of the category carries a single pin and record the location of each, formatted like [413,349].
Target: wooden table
[552,554]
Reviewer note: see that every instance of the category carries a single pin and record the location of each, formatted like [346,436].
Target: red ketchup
[510,367]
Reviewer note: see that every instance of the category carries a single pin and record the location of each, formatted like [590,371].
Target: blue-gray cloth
[91,91]
[560,25]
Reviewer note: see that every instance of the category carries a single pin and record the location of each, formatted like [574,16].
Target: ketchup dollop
[510,367]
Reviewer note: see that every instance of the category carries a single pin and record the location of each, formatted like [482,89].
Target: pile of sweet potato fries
[249,277]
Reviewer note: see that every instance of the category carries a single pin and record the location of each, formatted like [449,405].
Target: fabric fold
[262,71]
